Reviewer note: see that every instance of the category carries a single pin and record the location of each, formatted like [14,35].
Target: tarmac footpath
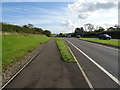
[47,70]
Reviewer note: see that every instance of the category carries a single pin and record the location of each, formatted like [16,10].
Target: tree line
[89,30]
[29,29]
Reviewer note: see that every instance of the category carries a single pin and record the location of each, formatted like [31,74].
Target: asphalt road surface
[106,57]
[47,70]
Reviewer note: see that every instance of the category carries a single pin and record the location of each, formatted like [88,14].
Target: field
[16,46]
[108,42]
[64,50]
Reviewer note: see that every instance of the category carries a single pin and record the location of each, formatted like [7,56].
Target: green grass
[0,53]
[17,46]
[64,50]
[108,42]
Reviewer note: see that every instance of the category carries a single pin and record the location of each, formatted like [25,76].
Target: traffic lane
[107,58]
[97,77]
[47,70]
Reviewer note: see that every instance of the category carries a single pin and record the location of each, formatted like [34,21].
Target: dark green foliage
[115,34]
[30,26]
[92,34]
[25,26]
[29,29]
[60,35]
[101,29]
[79,31]
[47,33]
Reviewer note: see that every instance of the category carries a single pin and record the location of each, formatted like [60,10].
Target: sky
[61,16]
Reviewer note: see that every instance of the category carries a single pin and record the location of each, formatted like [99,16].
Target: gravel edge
[7,74]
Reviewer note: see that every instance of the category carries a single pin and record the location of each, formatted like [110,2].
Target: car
[105,37]
[78,36]
[69,36]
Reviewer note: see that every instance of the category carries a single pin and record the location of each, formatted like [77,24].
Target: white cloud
[88,6]
[69,24]
[58,29]
[83,7]
[83,16]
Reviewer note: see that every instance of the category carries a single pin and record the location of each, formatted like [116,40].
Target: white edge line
[100,67]
[85,76]
[17,73]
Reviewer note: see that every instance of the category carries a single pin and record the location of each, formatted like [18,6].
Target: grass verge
[15,47]
[108,42]
[64,50]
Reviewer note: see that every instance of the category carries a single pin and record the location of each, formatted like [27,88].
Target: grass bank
[108,42]
[17,46]
[64,50]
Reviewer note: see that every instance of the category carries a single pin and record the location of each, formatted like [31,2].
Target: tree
[100,29]
[60,35]
[117,27]
[47,33]
[24,29]
[30,26]
[110,29]
[38,30]
[79,31]
[25,26]
[89,27]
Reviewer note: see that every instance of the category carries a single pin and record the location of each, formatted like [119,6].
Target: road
[47,70]
[106,57]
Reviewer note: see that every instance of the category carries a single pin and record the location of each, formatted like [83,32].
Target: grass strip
[64,51]
[15,47]
[108,42]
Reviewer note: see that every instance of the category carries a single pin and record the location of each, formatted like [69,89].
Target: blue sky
[60,16]
[41,14]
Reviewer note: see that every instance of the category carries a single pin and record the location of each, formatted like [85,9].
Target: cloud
[83,16]
[90,6]
[58,29]
[69,24]
[84,7]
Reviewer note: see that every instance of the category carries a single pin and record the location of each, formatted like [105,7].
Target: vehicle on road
[78,36]
[105,36]
[69,36]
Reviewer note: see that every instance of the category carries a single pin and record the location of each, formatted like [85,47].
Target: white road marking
[100,67]
[101,45]
[85,76]
[18,72]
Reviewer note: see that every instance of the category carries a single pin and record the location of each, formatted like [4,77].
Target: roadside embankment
[17,50]
[110,43]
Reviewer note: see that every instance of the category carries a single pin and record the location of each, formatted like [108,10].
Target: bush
[25,29]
